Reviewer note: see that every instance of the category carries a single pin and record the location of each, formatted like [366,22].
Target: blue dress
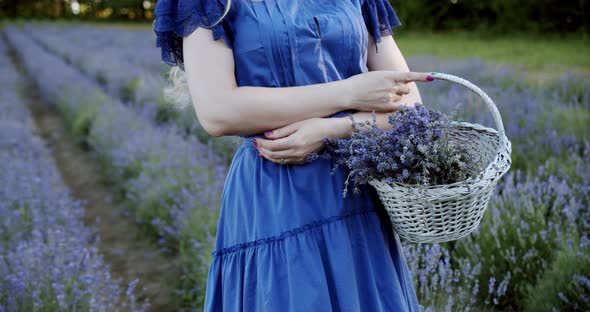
[286,239]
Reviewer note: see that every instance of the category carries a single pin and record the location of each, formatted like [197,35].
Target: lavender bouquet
[415,150]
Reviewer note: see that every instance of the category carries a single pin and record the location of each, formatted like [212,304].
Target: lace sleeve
[175,19]
[380,18]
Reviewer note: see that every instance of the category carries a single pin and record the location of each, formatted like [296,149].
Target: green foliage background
[498,16]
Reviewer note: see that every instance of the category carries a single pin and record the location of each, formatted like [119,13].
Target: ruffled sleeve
[380,18]
[175,19]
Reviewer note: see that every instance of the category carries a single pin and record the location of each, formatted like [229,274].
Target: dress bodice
[284,43]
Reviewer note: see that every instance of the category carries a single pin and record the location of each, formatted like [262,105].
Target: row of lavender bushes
[172,183]
[49,259]
[127,67]
[529,251]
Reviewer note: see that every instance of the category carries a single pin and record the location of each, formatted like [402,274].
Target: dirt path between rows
[124,247]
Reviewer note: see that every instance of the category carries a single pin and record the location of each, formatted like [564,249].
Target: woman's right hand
[381,90]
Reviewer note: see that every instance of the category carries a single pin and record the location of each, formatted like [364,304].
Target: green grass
[541,58]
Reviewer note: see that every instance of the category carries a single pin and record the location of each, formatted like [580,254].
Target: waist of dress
[248,140]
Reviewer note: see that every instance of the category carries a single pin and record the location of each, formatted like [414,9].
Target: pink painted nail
[429,78]
[267,133]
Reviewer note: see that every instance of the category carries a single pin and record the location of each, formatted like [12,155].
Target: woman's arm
[389,57]
[225,109]
[295,141]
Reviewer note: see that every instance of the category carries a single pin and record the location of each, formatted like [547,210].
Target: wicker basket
[440,213]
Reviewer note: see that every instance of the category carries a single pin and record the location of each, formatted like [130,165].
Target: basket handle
[490,104]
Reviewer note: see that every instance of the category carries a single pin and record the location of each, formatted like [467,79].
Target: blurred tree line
[532,16]
[497,16]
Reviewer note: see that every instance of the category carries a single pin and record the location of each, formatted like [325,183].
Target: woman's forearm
[223,108]
[343,127]
[246,110]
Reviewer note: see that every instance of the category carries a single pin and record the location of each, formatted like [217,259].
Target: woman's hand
[295,141]
[382,90]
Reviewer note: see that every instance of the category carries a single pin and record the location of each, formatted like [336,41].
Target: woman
[286,75]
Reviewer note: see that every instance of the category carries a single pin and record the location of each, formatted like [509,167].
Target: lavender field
[49,259]
[530,253]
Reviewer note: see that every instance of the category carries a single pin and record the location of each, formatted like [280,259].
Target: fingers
[281,157]
[281,132]
[392,98]
[281,148]
[286,149]
[401,89]
[275,145]
[276,154]
[396,94]
[405,77]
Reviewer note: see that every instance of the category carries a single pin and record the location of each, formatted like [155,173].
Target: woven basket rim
[467,181]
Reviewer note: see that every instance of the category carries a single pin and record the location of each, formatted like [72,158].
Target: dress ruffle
[319,268]
[380,18]
[175,19]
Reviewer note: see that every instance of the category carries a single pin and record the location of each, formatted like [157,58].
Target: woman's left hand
[296,141]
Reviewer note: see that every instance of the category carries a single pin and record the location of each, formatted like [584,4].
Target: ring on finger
[282,161]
